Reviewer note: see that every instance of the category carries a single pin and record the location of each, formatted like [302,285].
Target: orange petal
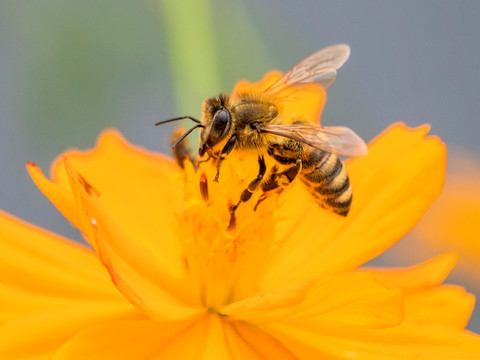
[41,270]
[137,273]
[58,194]
[138,190]
[132,184]
[353,299]
[124,340]
[205,338]
[393,186]
[42,333]
[248,342]
[425,301]
[417,277]
[444,305]
[215,343]
[309,340]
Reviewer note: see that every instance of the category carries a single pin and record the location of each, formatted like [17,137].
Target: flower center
[225,245]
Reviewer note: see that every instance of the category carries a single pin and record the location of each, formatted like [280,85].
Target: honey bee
[253,121]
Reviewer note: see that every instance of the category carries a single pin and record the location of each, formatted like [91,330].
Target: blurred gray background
[70,68]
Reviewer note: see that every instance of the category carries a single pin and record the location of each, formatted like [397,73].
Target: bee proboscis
[298,148]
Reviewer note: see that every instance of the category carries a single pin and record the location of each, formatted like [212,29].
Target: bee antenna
[178,118]
[186,134]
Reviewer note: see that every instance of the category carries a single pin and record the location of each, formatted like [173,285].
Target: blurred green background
[68,69]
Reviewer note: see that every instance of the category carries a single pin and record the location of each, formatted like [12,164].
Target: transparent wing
[319,68]
[335,139]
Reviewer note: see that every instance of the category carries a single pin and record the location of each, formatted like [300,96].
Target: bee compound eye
[221,120]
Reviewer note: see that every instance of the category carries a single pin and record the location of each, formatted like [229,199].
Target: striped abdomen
[327,180]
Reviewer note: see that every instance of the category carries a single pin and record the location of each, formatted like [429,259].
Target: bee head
[217,121]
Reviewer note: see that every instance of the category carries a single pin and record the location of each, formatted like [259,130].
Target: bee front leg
[227,149]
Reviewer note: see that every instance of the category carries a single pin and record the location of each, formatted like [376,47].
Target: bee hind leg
[279,181]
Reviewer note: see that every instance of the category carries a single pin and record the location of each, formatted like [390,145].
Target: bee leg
[227,149]
[247,193]
[205,160]
[291,173]
[278,181]
[262,199]
[272,185]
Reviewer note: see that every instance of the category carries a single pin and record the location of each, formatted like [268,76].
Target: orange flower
[283,283]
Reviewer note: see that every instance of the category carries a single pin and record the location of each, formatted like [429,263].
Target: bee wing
[335,139]
[319,68]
